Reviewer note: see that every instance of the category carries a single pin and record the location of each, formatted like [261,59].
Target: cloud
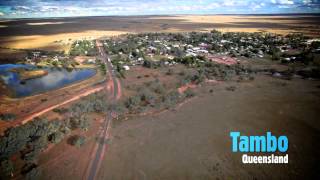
[283,2]
[307,1]
[53,8]
[1,14]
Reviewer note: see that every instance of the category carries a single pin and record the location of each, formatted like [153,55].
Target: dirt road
[30,117]
[114,91]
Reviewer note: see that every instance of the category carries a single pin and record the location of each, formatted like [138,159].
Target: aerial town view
[143,90]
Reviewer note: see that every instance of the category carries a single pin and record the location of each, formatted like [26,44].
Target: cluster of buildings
[130,50]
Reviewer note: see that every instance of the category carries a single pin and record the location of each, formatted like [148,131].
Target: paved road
[104,134]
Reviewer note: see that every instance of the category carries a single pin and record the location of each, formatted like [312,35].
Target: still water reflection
[56,78]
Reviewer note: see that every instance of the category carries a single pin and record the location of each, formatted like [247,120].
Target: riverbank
[22,107]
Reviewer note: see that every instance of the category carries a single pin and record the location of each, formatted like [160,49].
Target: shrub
[197,78]
[171,99]
[118,108]
[6,169]
[150,64]
[147,96]
[60,111]
[189,93]
[103,68]
[39,143]
[56,137]
[157,87]
[245,77]
[30,156]
[81,121]
[275,53]
[77,140]
[132,102]
[231,88]
[33,174]
[84,122]
[7,117]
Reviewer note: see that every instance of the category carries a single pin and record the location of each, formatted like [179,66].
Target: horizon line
[208,14]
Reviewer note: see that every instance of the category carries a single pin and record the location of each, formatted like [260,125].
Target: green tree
[6,169]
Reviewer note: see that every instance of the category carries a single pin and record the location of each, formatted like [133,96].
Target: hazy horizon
[144,15]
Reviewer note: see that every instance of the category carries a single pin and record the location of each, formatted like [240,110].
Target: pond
[55,79]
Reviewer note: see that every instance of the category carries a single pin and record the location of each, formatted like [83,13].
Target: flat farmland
[58,33]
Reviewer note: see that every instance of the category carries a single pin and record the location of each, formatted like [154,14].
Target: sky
[67,8]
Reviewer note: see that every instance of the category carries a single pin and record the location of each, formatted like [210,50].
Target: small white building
[191,54]
[126,67]
[93,61]
[170,57]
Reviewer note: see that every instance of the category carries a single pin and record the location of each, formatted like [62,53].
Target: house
[36,54]
[170,57]
[196,48]
[191,54]
[126,67]
[203,46]
[189,51]
[91,61]
[152,49]
[55,59]
[202,51]
[189,46]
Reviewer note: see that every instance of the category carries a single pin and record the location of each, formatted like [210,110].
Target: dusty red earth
[72,99]
[222,59]
[182,89]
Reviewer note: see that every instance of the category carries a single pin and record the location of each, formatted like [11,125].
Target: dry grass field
[58,33]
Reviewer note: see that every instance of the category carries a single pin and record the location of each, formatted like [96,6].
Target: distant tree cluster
[154,94]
